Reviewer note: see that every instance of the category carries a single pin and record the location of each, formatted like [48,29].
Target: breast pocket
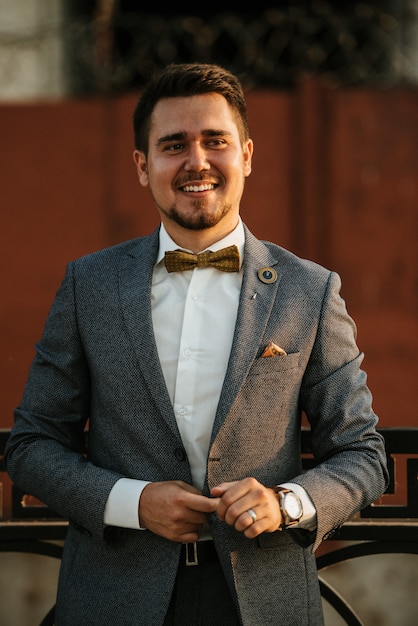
[273,365]
[273,383]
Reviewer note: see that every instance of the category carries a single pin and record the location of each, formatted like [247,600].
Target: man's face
[196,163]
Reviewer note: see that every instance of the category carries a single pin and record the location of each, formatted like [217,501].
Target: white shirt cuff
[122,505]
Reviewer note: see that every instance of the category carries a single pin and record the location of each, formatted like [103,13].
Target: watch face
[293,506]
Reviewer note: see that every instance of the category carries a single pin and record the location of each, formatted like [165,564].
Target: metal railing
[389,526]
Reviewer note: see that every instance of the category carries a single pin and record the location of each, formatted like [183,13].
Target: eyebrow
[181,136]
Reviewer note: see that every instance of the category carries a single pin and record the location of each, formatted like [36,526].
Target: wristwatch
[290,506]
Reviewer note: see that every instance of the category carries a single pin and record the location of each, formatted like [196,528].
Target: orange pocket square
[272,349]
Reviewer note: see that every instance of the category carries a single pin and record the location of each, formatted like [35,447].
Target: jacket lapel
[135,279]
[256,301]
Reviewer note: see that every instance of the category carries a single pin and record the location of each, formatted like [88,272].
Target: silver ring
[252,514]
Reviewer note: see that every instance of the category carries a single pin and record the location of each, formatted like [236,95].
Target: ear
[141,167]
[248,148]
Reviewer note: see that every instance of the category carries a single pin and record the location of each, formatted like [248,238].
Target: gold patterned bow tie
[226,260]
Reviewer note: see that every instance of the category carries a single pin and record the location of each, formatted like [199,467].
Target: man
[191,506]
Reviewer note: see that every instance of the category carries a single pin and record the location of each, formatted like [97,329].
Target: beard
[198,219]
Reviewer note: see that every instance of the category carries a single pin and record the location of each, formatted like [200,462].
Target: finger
[202,504]
[182,535]
[231,494]
[253,515]
[179,525]
[230,491]
[172,510]
[220,489]
[246,520]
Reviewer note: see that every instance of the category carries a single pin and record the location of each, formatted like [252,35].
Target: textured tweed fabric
[98,364]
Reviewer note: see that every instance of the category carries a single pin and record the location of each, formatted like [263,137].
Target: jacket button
[180,454]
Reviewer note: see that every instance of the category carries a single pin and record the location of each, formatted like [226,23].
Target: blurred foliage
[354,43]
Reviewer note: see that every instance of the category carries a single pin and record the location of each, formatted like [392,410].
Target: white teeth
[198,187]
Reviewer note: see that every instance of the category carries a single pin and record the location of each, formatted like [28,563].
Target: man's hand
[235,499]
[175,510]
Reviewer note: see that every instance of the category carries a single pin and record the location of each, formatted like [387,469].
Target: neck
[198,240]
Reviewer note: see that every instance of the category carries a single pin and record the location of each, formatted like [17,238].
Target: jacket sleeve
[350,455]
[44,454]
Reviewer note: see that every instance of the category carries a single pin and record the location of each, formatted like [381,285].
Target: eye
[175,147]
[216,143]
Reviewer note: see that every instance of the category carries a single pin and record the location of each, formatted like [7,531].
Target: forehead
[192,115]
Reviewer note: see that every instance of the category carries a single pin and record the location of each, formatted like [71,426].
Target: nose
[196,158]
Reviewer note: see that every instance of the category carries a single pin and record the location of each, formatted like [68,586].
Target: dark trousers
[201,597]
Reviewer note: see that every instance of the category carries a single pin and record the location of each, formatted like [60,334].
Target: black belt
[198,553]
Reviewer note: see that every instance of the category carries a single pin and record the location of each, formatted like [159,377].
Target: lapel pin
[267,275]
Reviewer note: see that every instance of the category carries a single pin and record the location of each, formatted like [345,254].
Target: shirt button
[187,352]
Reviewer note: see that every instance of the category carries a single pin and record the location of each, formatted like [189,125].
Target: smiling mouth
[201,187]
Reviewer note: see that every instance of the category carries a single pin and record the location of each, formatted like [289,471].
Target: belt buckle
[191,554]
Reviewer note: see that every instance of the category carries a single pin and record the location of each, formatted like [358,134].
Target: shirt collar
[237,238]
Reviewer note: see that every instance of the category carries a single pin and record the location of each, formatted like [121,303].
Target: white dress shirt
[194,314]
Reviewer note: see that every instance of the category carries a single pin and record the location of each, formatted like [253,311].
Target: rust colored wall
[334,179]
[373,204]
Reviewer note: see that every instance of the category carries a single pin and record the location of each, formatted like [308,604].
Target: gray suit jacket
[97,365]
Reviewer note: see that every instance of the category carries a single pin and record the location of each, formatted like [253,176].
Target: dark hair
[179,80]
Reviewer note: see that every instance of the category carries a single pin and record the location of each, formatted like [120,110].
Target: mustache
[194,177]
